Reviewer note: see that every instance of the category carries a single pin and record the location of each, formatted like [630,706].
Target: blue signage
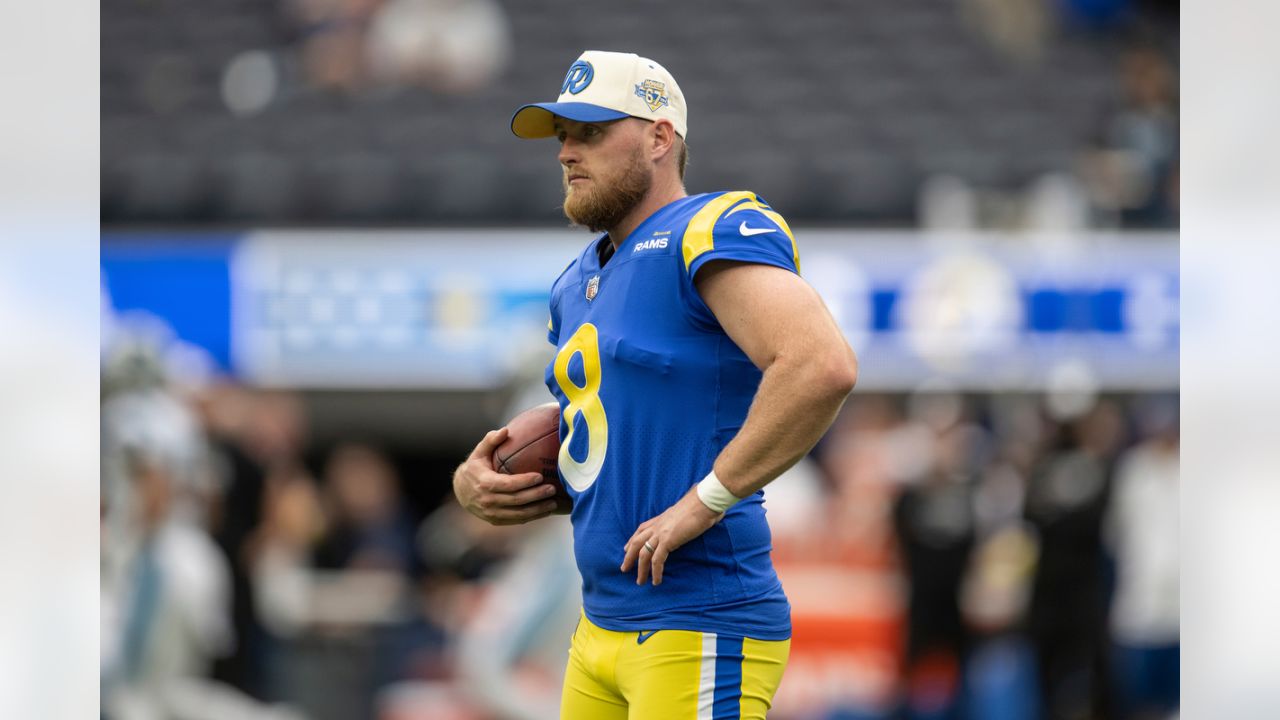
[467,309]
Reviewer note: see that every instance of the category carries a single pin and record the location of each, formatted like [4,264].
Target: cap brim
[538,120]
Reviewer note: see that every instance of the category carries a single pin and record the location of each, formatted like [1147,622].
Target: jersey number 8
[584,399]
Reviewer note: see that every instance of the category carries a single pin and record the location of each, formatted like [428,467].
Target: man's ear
[663,138]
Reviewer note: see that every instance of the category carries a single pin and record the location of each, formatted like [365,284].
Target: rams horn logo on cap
[578,78]
[654,94]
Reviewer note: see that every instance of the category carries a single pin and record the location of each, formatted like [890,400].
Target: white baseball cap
[602,86]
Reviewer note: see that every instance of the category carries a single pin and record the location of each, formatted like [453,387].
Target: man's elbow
[841,371]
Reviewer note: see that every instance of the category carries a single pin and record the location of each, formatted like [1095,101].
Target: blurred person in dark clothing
[331,565]
[1132,170]
[935,523]
[1066,502]
[1143,532]
[369,526]
[252,434]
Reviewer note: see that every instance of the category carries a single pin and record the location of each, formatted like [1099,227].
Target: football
[533,445]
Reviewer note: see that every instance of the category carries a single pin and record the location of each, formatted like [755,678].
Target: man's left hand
[658,537]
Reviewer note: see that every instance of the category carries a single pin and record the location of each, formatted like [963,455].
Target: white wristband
[714,494]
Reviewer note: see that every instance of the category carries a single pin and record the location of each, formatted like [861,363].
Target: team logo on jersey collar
[654,94]
[593,287]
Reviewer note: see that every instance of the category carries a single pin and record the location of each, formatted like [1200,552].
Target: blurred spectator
[164,584]
[1017,28]
[369,526]
[253,434]
[1066,501]
[447,45]
[166,592]
[314,546]
[867,453]
[998,585]
[1143,529]
[140,415]
[165,611]
[947,203]
[936,527]
[1001,678]
[332,40]
[1132,170]
[274,428]
[331,568]
[1000,673]
[279,551]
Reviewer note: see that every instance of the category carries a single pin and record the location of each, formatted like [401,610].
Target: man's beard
[607,204]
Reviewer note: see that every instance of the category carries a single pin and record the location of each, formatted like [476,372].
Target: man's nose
[569,154]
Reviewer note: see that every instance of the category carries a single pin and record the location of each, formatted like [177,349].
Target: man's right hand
[498,498]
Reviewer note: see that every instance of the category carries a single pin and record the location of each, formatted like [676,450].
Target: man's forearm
[794,406]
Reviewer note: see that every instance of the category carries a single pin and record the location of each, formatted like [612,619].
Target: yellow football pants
[669,675]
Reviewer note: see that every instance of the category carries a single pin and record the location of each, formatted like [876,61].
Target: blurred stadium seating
[846,108]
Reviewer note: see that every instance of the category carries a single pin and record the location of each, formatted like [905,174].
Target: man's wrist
[715,495]
[456,473]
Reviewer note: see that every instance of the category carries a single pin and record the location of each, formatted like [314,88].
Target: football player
[693,367]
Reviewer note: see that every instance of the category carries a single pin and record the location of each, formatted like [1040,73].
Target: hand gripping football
[533,445]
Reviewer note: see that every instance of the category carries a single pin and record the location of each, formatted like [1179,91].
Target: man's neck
[658,197]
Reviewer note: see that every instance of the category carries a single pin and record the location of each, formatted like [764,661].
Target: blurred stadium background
[325,265]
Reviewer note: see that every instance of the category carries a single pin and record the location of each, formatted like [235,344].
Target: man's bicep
[766,310]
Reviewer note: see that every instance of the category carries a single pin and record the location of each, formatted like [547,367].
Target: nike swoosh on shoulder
[749,231]
[642,636]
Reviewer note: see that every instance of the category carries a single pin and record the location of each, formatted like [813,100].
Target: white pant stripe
[707,679]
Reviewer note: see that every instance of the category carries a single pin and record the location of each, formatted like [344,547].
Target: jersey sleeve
[739,226]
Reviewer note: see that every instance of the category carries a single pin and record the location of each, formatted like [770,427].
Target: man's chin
[574,206]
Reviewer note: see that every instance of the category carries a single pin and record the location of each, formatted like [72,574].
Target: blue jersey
[651,390]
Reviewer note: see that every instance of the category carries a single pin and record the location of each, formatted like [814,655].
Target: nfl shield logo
[593,287]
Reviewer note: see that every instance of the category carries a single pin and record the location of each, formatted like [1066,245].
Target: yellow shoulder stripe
[698,233]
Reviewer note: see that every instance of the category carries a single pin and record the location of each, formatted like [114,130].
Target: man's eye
[590,130]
